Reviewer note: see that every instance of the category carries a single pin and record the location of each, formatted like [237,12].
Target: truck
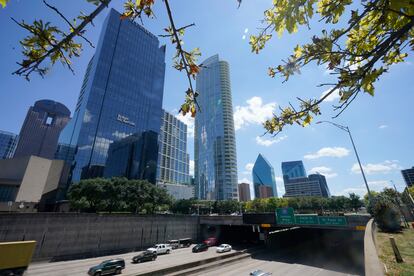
[161,248]
[15,257]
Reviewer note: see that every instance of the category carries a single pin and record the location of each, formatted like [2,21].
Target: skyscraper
[133,157]
[8,143]
[263,175]
[408,176]
[121,95]
[322,182]
[293,169]
[214,142]
[41,128]
[244,192]
[173,159]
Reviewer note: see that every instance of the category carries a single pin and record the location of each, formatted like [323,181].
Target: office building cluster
[296,182]
[119,128]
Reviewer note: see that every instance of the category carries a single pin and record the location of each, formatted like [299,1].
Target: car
[145,256]
[223,248]
[200,247]
[211,241]
[186,242]
[161,248]
[108,267]
[260,273]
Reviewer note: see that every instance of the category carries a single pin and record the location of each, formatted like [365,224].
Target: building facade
[8,142]
[121,94]
[215,159]
[263,175]
[178,191]
[244,192]
[293,169]
[322,182]
[173,159]
[133,157]
[41,128]
[408,176]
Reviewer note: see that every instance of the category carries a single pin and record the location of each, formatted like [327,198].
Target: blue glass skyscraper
[263,175]
[121,95]
[215,158]
[8,142]
[293,169]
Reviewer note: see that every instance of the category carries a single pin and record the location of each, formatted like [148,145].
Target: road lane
[80,267]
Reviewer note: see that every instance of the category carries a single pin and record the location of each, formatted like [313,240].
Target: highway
[81,267]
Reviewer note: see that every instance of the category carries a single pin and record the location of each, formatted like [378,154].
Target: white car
[161,248]
[223,248]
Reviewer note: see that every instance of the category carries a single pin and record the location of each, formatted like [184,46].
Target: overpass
[272,220]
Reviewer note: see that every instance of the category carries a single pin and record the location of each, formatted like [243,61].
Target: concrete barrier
[373,266]
[64,236]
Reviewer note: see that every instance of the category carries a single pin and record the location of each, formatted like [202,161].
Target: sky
[382,126]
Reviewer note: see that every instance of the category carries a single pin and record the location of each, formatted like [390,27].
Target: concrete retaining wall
[72,235]
[373,266]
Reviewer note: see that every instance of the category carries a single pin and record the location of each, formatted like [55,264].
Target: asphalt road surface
[81,267]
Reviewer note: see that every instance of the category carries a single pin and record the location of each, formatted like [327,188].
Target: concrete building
[31,180]
[8,142]
[215,157]
[244,192]
[121,94]
[408,176]
[134,157]
[41,128]
[263,175]
[178,191]
[173,159]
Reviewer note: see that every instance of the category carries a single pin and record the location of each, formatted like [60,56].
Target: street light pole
[345,128]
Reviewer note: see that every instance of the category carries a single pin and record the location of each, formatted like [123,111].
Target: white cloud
[383,126]
[332,97]
[268,142]
[245,180]
[279,179]
[189,121]
[359,191]
[248,168]
[255,112]
[280,188]
[246,30]
[383,167]
[328,152]
[192,167]
[327,172]
[379,185]
[244,37]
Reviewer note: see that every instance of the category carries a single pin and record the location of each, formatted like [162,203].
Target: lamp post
[345,128]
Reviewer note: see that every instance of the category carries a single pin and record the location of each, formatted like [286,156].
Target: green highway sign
[334,221]
[285,216]
[306,219]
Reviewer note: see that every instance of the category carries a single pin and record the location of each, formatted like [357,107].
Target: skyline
[327,150]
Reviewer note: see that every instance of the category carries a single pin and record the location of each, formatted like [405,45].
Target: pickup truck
[161,248]
[15,257]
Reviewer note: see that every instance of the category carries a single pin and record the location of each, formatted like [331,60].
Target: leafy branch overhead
[375,38]
[49,43]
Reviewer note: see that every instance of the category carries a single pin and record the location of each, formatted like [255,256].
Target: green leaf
[3,3]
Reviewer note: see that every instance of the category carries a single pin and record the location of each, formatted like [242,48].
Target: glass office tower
[41,128]
[173,159]
[8,143]
[263,175]
[121,95]
[214,142]
[293,169]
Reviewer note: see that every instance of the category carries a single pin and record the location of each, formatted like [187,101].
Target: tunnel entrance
[231,234]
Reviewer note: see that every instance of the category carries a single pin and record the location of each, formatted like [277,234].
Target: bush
[385,213]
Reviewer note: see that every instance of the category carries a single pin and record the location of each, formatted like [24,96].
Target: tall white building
[215,157]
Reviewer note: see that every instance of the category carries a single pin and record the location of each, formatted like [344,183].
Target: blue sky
[382,126]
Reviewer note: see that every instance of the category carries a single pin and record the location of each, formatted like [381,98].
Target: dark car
[185,242]
[200,247]
[145,256]
[108,267]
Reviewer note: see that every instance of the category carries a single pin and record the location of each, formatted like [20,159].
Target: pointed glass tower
[263,178]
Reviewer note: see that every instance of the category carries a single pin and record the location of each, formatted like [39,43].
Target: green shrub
[385,213]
